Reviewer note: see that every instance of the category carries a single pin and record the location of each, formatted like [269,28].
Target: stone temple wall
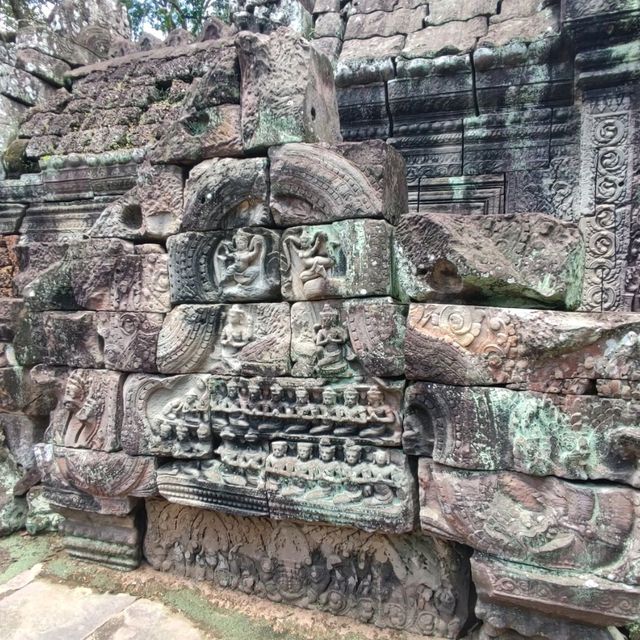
[260,359]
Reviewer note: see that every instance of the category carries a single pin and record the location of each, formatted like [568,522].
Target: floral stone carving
[251,339]
[232,266]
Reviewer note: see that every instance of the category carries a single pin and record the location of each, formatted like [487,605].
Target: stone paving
[33,608]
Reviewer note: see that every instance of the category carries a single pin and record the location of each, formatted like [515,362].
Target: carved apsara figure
[240,263]
[310,257]
[83,406]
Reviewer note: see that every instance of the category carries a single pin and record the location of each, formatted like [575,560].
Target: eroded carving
[350,258]
[409,582]
[232,266]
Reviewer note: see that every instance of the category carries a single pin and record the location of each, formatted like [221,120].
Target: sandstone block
[467,345]
[484,428]
[226,194]
[130,339]
[442,11]
[151,210]
[343,339]
[45,67]
[528,29]
[200,134]
[225,266]
[22,86]
[580,597]
[46,41]
[89,411]
[287,91]
[59,338]
[167,416]
[450,38]
[110,540]
[350,258]
[385,23]
[313,184]
[250,339]
[329,25]
[502,259]
[544,522]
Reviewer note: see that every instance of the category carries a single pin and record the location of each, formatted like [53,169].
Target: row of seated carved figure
[316,411]
[310,472]
[250,409]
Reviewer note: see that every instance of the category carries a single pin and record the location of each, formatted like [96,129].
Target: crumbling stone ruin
[369,349]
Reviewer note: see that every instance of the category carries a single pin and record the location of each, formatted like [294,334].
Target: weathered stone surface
[46,41]
[578,596]
[328,46]
[11,113]
[59,338]
[42,66]
[167,416]
[376,484]
[199,134]
[151,210]
[367,411]
[450,38]
[225,266]
[22,86]
[21,432]
[350,258]
[226,193]
[469,345]
[385,23]
[89,412]
[111,540]
[365,62]
[287,91]
[13,510]
[343,339]
[314,184]
[483,428]
[539,25]
[505,260]
[130,339]
[441,11]
[40,517]
[104,277]
[544,522]
[250,339]
[96,481]
[513,623]
[425,580]
[329,25]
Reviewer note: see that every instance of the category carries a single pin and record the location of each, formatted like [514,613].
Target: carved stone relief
[130,339]
[226,193]
[545,522]
[347,338]
[231,266]
[89,412]
[363,409]
[534,259]
[469,345]
[346,259]
[250,339]
[313,184]
[574,437]
[167,416]
[406,582]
